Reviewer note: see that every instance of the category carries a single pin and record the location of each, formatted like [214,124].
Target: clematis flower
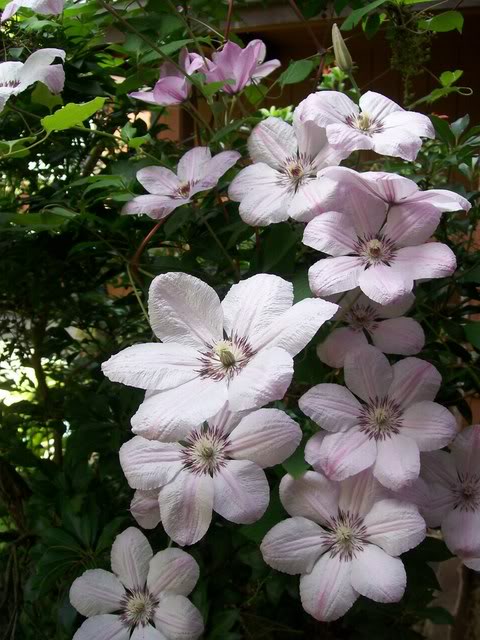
[395,420]
[15,77]
[344,539]
[173,87]
[144,598]
[43,7]
[196,171]
[218,466]
[376,123]
[240,351]
[382,256]
[382,324]
[239,66]
[454,483]
[286,159]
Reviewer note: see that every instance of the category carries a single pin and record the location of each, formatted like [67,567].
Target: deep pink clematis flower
[215,467]
[395,420]
[376,123]
[344,539]
[196,171]
[382,324]
[285,160]
[173,87]
[144,598]
[378,234]
[43,7]
[239,66]
[453,480]
[15,77]
[239,351]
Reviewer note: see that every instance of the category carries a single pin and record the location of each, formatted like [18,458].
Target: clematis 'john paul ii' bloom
[43,7]
[239,351]
[381,323]
[344,539]
[286,159]
[216,467]
[143,599]
[395,420]
[453,480]
[377,123]
[15,77]
[196,171]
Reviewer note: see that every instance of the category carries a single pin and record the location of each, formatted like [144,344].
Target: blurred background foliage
[73,287]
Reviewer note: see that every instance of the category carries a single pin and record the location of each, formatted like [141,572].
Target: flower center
[346,535]
[138,607]
[365,123]
[467,492]
[297,170]
[183,191]
[381,418]
[205,451]
[375,250]
[362,317]
[226,358]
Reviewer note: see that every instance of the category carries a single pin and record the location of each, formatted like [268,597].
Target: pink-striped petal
[331,406]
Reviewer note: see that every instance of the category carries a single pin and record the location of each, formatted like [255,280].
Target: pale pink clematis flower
[196,171]
[395,420]
[15,77]
[377,123]
[286,159]
[344,539]
[382,324]
[239,66]
[454,483]
[381,253]
[239,351]
[43,7]
[216,467]
[143,599]
[173,87]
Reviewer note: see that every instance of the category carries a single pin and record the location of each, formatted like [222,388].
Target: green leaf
[354,18]
[371,25]
[297,71]
[255,93]
[20,146]
[443,131]
[447,78]
[71,115]
[447,21]
[41,95]
[472,333]
[296,465]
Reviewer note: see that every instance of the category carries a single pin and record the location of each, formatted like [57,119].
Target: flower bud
[342,54]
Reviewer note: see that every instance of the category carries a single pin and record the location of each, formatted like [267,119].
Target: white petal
[144,508]
[178,619]
[346,453]
[264,379]
[327,592]
[186,507]
[96,591]
[158,180]
[394,526]
[359,493]
[157,207]
[402,336]
[331,232]
[214,170]
[431,260]
[338,343]
[461,532]
[414,380]
[368,373]
[193,164]
[267,203]
[378,106]
[398,462]
[294,545]
[148,464]
[311,495]
[324,108]
[104,627]
[174,571]
[466,449]
[331,406]
[334,275]
[378,576]
[266,437]
[385,284]
[147,633]
[184,309]
[472,563]
[241,492]
[272,141]
[254,303]
[429,424]
[153,366]
[130,556]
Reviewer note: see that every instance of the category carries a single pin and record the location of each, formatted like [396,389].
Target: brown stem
[229,19]
[141,248]
[320,48]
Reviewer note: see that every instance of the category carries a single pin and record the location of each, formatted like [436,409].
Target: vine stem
[137,295]
[141,247]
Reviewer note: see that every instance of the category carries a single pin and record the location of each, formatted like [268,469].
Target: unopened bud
[342,54]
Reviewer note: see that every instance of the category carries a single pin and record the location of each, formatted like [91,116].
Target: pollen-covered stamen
[375,249]
[183,191]
[225,358]
[297,170]
[362,317]
[381,418]
[365,123]
[205,451]
[467,492]
[138,607]
[346,535]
